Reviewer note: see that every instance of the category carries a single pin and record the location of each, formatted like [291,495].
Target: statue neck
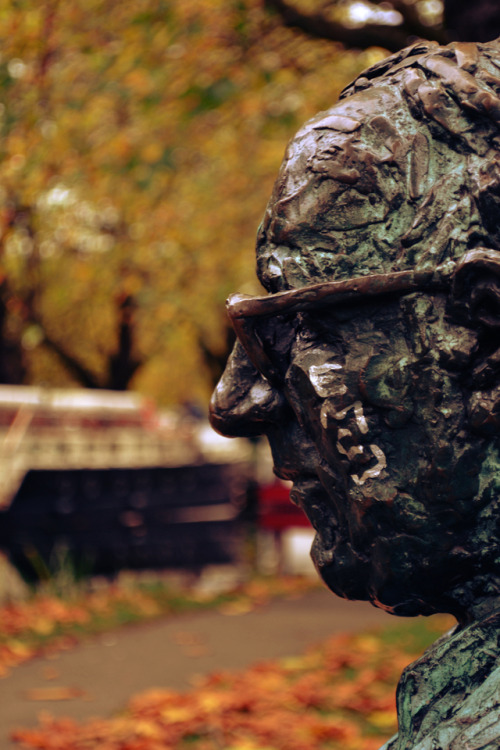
[475,600]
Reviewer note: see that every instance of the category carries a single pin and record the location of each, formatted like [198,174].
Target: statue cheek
[328,379]
[313,380]
[483,411]
[385,382]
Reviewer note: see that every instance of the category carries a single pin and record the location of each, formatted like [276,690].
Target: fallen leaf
[238,607]
[49,673]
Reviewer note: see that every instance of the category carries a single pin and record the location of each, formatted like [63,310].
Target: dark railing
[111,519]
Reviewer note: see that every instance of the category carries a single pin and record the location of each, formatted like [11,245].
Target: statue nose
[244,404]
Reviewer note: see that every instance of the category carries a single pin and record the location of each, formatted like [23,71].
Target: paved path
[104,673]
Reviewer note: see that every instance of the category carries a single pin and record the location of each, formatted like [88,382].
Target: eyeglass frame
[243,309]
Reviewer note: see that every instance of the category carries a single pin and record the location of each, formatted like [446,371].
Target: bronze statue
[373,364]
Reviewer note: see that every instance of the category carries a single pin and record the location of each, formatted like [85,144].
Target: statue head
[373,364]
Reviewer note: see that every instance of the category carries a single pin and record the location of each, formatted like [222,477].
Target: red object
[275,511]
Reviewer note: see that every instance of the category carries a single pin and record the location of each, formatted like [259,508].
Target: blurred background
[139,142]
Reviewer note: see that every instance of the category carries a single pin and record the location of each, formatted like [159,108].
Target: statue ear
[475,296]
[476,287]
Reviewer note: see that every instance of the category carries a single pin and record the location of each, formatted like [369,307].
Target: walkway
[99,676]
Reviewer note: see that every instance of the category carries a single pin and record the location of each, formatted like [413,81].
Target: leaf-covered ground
[48,621]
[339,695]
[336,695]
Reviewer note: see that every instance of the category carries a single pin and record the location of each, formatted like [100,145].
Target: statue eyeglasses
[480,301]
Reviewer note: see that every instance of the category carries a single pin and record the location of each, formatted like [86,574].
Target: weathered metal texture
[382,403]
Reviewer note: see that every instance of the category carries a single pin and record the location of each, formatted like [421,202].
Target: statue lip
[309,494]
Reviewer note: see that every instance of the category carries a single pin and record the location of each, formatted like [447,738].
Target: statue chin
[343,572]
[384,578]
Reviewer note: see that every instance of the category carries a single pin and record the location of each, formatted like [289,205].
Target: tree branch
[413,23]
[81,373]
[392,38]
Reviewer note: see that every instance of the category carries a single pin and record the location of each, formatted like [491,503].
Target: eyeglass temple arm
[333,293]
[244,309]
[244,328]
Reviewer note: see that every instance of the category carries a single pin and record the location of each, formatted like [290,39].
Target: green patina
[384,410]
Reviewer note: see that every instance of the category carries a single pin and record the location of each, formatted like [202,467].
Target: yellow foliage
[177,713]
[141,140]
[43,625]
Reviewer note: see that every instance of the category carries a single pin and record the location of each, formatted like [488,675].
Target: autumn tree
[138,144]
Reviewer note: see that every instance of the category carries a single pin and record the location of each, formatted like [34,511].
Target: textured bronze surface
[377,381]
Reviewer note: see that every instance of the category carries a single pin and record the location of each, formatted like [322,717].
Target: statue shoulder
[450,697]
